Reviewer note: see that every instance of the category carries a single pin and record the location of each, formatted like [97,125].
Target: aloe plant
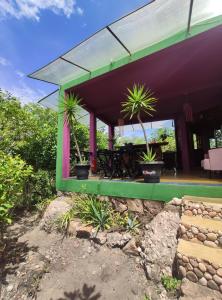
[149,157]
[139,100]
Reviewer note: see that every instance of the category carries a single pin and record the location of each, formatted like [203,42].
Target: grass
[170,283]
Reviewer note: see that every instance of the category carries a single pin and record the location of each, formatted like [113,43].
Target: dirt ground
[76,268]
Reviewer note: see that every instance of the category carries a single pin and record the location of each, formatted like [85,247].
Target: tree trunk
[77,147]
[144,132]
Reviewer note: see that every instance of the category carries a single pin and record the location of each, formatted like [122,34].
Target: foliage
[63,221]
[146,298]
[170,283]
[93,211]
[39,186]
[139,100]
[157,136]
[149,157]
[13,174]
[132,223]
[70,107]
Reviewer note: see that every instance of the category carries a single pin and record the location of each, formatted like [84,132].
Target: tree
[169,132]
[139,100]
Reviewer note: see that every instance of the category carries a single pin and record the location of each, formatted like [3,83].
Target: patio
[179,59]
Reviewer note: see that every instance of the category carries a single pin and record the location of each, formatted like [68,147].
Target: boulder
[119,205]
[56,209]
[135,205]
[131,248]
[117,240]
[84,231]
[195,291]
[153,207]
[160,243]
[100,238]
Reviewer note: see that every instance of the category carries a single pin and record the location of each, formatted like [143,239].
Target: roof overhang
[155,26]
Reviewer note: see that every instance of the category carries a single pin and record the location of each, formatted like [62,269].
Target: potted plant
[141,101]
[70,108]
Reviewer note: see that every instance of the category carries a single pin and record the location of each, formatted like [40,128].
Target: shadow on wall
[87,293]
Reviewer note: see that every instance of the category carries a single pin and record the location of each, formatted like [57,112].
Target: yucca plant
[70,106]
[149,157]
[139,101]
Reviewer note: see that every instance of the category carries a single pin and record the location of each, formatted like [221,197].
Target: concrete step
[200,264]
[210,208]
[201,230]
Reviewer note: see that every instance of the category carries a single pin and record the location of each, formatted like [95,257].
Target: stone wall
[201,235]
[203,210]
[199,271]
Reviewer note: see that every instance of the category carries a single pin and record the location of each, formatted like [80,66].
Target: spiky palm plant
[139,100]
[70,106]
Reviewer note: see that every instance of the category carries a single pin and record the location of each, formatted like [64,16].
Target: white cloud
[4,62]
[19,73]
[80,11]
[32,8]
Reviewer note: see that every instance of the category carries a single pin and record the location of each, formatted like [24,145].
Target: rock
[9,288]
[190,235]
[185,259]
[211,270]
[220,241]
[131,248]
[201,237]
[203,281]
[116,239]
[84,231]
[203,230]
[192,276]
[194,263]
[215,266]
[212,236]
[198,272]
[73,226]
[153,207]
[211,284]
[119,206]
[208,276]
[100,238]
[182,271]
[202,267]
[160,243]
[219,272]
[194,230]
[189,267]
[56,209]
[176,201]
[195,291]
[212,214]
[217,279]
[188,213]
[135,205]
[182,229]
[210,244]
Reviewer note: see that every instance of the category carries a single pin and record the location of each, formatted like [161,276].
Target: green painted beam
[149,191]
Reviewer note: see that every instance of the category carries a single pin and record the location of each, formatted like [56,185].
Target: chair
[214,161]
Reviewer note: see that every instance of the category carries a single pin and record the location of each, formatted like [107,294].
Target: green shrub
[40,186]
[170,283]
[132,223]
[13,174]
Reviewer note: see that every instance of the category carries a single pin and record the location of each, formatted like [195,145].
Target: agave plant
[139,100]
[70,107]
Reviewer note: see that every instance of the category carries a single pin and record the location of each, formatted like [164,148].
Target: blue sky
[34,32]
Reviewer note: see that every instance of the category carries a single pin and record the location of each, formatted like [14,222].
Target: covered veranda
[172,47]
